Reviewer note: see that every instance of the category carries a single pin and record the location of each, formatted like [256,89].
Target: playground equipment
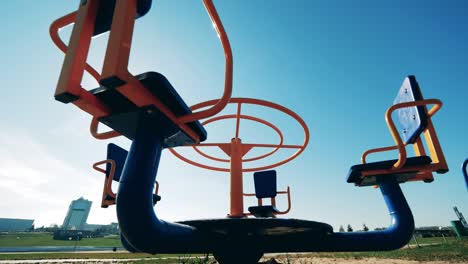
[236,149]
[147,110]
[465,172]
[115,161]
[460,226]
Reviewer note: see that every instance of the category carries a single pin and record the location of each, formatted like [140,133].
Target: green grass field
[432,249]
[45,239]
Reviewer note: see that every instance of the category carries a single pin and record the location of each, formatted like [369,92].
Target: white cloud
[35,183]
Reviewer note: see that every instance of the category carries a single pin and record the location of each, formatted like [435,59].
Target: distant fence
[434,232]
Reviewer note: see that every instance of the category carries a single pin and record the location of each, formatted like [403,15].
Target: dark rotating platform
[259,226]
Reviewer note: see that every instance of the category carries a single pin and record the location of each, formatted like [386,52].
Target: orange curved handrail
[106,135]
[396,135]
[53,31]
[221,103]
[375,150]
[109,178]
[288,192]
[273,201]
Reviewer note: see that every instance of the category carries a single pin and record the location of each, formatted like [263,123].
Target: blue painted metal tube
[465,172]
[138,223]
[144,232]
[397,235]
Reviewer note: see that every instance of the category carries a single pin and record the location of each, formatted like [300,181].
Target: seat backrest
[105,14]
[265,184]
[412,120]
[118,155]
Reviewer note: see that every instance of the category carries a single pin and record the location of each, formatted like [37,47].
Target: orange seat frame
[107,191]
[273,201]
[438,164]
[116,65]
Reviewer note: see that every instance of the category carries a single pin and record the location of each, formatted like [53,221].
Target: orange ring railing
[280,108]
[247,117]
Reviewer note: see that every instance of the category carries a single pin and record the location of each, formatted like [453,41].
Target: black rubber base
[238,255]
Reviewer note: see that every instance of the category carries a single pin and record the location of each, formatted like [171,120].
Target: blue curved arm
[138,223]
[145,232]
[465,172]
[127,245]
[397,235]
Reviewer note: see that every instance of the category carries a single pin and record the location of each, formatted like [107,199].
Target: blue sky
[338,64]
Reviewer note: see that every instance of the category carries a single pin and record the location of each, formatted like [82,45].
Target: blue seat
[265,187]
[412,120]
[119,155]
[125,113]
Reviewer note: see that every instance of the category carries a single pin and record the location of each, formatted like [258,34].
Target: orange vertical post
[237,198]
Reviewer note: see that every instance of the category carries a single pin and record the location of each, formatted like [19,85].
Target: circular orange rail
[247,146]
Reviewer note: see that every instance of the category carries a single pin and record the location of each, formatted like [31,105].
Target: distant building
[15,225]
[77,215]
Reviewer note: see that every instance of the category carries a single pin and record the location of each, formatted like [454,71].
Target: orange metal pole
[237,199]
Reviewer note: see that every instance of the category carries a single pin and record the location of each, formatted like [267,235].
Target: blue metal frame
[145,232]
[465,172]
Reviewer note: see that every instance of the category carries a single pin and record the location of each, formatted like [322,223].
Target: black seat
[355,172]
[125,113]
[263,211]
[105,14]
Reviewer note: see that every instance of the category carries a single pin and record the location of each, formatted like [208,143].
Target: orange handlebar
[219,106]
[109,178]
[273,201]
[370,151]
[396,136]
[106,135]
[288,192]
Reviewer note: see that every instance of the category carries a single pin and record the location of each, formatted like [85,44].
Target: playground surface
[432,251]
[308,260]
[300,260]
